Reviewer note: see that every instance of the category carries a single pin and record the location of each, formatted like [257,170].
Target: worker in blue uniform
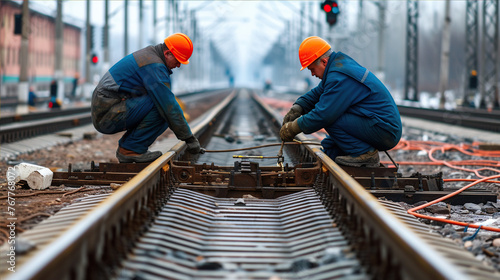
[32,98]
[135,96]
[350,103]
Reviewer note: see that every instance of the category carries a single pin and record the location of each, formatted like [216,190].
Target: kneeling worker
[350,103]
[135,96]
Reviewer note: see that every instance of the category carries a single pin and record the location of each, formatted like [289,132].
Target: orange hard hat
[181,46]
[311,49]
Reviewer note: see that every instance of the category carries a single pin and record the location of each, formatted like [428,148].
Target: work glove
[193,146]
[294,113]
[289,130]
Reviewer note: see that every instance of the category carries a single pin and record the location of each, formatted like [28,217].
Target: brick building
[41,50]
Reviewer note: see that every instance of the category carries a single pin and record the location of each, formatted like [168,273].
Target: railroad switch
[245,176]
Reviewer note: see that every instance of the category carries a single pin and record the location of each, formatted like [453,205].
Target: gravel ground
[486,244]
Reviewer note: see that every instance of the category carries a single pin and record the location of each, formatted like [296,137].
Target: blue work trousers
[355,135]
[143,124]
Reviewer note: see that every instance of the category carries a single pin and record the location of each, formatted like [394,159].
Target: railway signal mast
[331,9]
[489,67]
[471,52]
[23,87]
[411,71]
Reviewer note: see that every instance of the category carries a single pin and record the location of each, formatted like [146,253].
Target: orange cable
[468,180]
[412,210]
[431,146]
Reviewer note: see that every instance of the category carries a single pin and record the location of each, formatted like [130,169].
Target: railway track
[15,127]
[214,217]
[466,117]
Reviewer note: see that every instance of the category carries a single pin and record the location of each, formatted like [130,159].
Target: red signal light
[331,8]
[95,59]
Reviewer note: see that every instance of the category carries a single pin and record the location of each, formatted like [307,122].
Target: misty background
[245,32]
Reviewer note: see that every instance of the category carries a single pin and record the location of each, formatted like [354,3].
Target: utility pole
[311,24]
[301,23]
[170,8]
[58,71]
[141,24]
[471,52]
[23,87]
[176,16]
[490,54]
[125,44]
[319,31]
[195,42]
[167,18]
[105,37]
[360,24]
[411,73]
[445,55]
[88,47]
[382,5]
[154,22]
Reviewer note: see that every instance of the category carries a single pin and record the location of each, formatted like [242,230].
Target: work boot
[146,157]
[369,159]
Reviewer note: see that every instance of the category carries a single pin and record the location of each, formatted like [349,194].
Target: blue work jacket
[347,87]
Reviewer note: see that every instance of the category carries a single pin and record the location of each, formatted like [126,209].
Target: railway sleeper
[247,177]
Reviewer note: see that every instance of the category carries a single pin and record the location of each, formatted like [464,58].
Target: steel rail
[81,251]
[17,118]
[478,119]
[19,131]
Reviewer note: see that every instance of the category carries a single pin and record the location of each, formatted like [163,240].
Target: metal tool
[281,159]
[240,156]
